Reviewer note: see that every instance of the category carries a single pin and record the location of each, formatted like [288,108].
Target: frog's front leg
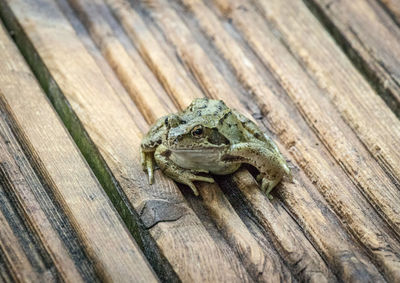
[270,163]
[149,145]
[179,174]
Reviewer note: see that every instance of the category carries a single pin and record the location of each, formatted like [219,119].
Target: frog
[208,138]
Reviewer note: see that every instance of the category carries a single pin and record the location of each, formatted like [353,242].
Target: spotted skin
[210,138]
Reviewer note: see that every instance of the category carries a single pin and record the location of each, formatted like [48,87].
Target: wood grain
[120,60]
[169,72]
[217,209]
[57,159]
[370,38]
[263,266]
[214,73]
[312,104]
[20,267]
[354,98]
[106,69]
[113,131]
[393,8]
[134,61]
[246,247]
[23,187]
[251,78]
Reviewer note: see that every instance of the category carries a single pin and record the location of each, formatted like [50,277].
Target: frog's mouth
[191,148]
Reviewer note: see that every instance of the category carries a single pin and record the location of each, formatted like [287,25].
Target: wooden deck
[82,80]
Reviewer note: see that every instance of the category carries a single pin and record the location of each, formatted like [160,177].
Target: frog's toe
[267,186]
[193,187]
[191,177]
[264,183]
[203,179]
[149,167]
[150,175]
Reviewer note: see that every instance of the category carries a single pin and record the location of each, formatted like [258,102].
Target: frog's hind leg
[178,174]
[255,131]
[269,163]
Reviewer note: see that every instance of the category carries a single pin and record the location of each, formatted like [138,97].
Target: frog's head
[193,135]
[198,127]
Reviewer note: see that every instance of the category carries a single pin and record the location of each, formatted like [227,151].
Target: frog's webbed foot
[178,174]
[147,160]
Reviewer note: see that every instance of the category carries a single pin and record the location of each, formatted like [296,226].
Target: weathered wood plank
[371,39]
[106,69]
[393,8]
[336,135]
[170,72]
[177,231]
[62,167]
[22,264]
[354,98]
[233,228]
[207,194]
[5,276]
[255,264]
[182,39]
[21,268]
[23,184]
[263,266]
[251,78]
[92,14]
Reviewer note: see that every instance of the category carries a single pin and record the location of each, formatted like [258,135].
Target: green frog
[208,137]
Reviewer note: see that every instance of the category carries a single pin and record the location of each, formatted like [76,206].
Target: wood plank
[22,260]
[226,250]
[393,8]
[177,231]
[220,208]
[21,181]
[196,63]
[254,82]
[98,21]
[62,167]
[92,14]
[21,268]
[106,69]
[264,267]
[5,276]
[370,38]
[170,73]
[366,34]
[235,232]
[336,135]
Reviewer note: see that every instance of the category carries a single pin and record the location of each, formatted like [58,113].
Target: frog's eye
[197,131]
